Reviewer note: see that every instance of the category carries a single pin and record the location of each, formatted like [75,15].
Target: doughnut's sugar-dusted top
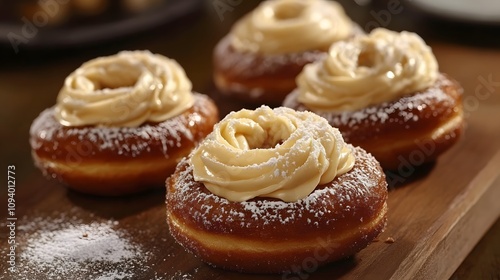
[290,26]
[278,153]
[413,112]
[368,70]
[351,198]
[245,65]
[124,90]
[50,139]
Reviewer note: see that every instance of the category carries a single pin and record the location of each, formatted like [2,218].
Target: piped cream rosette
[125,90]
[278,153]
[368,70]
[289,26]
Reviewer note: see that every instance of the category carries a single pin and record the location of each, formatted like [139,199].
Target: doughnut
[400,112]
[114,161]
[288,193]
[426,122]
[259,59]
[137,141]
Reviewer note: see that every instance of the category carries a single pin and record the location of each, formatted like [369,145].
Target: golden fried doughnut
[265,50]
[415,128]
[261,79]
[118,160]
[268,190]
[268,235]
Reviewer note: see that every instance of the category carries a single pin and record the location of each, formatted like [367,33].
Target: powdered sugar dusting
[433,101]
[112,138]
[121,141]
[65,247]
[79,243]
[179,275]
[248,65]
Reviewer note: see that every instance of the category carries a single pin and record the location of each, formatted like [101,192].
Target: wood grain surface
[437,212]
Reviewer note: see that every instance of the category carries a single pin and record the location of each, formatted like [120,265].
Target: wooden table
[437,215]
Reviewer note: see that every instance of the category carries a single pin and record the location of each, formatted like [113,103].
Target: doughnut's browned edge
[256,78]
[129,163]
[347,214]
[414,129]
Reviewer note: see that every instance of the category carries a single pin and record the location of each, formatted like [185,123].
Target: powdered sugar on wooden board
[65,247]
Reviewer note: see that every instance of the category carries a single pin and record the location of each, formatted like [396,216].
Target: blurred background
[59,24]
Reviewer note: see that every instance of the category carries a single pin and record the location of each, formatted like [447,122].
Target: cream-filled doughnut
[384,92]
[270,188]
[121,124]
[260,58]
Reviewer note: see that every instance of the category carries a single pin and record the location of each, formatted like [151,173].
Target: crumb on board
[389,240]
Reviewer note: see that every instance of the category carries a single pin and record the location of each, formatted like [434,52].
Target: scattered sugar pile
[75,244]
[68,248]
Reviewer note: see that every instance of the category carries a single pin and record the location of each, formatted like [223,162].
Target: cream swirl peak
[368,70]
[276,153]
[126,89]
[290,26]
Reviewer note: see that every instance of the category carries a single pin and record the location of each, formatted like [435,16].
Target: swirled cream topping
[276,153]
[127,90]
[289,26]
[368,70]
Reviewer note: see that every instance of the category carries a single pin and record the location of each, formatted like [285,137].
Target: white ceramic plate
[481,11]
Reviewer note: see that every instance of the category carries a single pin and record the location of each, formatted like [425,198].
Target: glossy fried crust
[266,235]
[414,129]
[118,160]
[261,79]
